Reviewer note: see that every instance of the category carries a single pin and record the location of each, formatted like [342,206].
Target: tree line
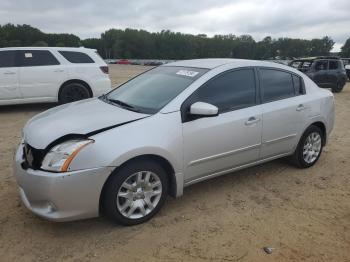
[141,44]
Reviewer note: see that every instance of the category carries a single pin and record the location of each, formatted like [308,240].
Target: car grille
[32,157]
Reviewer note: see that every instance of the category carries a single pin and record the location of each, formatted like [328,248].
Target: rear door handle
[9,73]
[301,107]
[58,70]
[251,120]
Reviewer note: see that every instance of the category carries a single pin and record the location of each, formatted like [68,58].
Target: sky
[305,19]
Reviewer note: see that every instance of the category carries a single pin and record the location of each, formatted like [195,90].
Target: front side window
[37,58]
[276,85]
[230,91]
[76,57]
[151,91]
[7,58]
[333,65]
[321,65]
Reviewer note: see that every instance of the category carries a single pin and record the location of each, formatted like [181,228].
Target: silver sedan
[178,124]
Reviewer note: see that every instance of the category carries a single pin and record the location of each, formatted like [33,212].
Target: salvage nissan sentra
[178,124]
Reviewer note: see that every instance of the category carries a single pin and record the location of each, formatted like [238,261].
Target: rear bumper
[60,196]
[101,86]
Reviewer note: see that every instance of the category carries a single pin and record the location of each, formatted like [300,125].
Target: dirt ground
[303,214]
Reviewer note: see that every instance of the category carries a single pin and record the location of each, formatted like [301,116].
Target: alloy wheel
[312,147]
[139,194]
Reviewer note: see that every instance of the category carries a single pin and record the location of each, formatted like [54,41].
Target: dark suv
[327,72]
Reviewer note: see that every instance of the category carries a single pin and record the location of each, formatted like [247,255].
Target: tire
[123,196]
[338,88]
[301,157]
[73,92]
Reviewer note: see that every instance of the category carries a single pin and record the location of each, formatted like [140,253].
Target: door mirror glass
[203,109]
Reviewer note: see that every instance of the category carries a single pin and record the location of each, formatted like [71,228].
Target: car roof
[47,48]
[211,63]
[316,58]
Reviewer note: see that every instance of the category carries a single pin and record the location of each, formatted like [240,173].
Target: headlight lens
[60,156]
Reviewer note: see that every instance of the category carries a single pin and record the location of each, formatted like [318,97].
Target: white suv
[51,74]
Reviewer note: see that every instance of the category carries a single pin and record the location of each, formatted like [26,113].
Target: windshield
[152,90]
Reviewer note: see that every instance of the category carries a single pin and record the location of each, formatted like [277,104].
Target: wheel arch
[70,81]
[321,126]
[172,190]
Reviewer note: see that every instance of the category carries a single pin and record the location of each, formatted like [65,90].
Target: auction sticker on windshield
[187,73]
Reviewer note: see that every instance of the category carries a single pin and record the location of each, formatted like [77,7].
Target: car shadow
[248,177]
[26,107]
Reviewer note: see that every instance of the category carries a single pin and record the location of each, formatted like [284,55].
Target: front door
[216,144]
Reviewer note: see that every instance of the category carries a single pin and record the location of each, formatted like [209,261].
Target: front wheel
[309,148]
[338,88]
[135,193]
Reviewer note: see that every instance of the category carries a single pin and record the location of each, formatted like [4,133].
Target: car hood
[78,118]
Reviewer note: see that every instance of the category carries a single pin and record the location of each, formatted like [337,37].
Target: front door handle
[9,73]
[301,107]
[251,120]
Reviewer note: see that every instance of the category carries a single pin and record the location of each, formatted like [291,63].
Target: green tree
[345,50]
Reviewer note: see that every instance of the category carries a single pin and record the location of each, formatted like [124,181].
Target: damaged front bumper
[60,196]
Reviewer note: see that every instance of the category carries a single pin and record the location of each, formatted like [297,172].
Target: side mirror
[203,109]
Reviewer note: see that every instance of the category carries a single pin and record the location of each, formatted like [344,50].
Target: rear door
[9,88]
[231,139]
[284,111]
[40,74]
[320,74]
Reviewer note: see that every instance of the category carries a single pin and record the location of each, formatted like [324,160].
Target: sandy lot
[303,214]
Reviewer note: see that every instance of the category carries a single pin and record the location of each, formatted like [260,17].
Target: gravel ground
[303,214]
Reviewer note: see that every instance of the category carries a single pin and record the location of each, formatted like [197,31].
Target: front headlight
[60,156]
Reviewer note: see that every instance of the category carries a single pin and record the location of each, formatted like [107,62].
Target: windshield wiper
[122,104]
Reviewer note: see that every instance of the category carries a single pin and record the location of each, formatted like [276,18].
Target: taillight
[104,69]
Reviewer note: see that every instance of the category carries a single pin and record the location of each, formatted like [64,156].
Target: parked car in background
[168,128]
[153,63]
[123,62]
[326,72]
[51,74]
[346,62]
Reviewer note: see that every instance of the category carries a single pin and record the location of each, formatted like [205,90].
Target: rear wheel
[73,92]
[135,193]
[309,148]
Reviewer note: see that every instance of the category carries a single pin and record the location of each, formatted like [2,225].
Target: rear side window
[37,58]
[76,57]
[333,65]
[7,58]
[276,85]
[230,91]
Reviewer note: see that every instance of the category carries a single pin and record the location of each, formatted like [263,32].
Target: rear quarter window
[76,57]
[298,85]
